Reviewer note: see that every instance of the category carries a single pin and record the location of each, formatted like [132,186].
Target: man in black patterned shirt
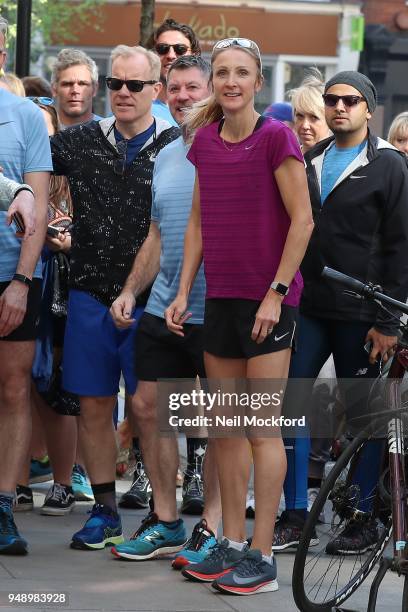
[109,166]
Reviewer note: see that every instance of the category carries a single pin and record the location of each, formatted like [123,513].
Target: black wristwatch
[22,279]
[280,288]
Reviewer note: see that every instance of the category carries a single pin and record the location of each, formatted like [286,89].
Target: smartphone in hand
[19,223]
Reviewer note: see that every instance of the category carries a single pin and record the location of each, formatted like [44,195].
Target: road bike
[324,577]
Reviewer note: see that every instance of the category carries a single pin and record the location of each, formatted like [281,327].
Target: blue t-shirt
[334,163]
[24,147]
[173,184]
[160,109]
[135,144]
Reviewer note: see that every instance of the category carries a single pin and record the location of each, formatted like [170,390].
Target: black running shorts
[28,330]
[228,325]
[161,354]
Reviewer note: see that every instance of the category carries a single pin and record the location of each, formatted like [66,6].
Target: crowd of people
[183,237]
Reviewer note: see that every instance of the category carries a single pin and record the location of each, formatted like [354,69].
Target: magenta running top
[244,222]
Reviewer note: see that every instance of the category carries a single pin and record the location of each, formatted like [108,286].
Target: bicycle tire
[300,591]
[405,595]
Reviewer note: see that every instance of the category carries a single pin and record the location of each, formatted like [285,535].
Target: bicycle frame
[395,428]
[396,458]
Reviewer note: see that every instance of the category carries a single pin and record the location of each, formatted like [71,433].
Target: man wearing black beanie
[358,187]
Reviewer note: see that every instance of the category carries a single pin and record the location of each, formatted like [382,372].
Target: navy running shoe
[152,539]
[11,543]
[219,562]
[251,575]
[101,529]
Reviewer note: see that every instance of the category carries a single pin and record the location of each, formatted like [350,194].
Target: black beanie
[358,81]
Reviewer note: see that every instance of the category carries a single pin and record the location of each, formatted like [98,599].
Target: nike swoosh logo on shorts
[277,338]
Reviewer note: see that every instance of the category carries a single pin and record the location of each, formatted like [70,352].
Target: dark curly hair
[169,25]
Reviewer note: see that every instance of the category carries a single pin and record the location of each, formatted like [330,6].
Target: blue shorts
[96,353]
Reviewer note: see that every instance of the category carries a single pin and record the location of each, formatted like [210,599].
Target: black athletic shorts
[228,325]
[28,330]
[161,354]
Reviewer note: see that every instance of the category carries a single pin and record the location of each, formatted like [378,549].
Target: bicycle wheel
[405,595]
[322,580]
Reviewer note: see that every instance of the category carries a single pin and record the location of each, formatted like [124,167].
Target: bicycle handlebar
[365,290]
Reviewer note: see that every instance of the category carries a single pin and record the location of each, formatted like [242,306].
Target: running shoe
[356,538]
[249,576]
[198,547]
[140,492]
[152,539]
[288,532]
[40,470]
[11,543]
[80,484]
[23,500]
[59,500]
[220,561]
[103,528]
[193,493]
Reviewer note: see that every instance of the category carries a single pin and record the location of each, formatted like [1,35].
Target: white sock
[268,559]
[237,545]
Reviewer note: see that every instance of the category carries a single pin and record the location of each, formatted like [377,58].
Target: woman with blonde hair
[250,223]
[398,132]
[308,110]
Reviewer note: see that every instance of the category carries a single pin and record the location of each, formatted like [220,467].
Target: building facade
[292,35]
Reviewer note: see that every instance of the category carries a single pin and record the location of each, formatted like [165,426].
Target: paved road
[98,581]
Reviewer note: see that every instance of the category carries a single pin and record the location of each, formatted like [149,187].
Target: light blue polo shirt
[173,184]
[160,109]
[24,147]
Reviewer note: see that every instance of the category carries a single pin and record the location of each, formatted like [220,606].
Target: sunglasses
[179,49]
[41,100]
[245,43]
[133,85]
[331,100]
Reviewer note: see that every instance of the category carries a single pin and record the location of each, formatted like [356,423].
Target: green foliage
[55,20]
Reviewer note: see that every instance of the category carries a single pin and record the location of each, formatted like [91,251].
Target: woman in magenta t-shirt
[250,223]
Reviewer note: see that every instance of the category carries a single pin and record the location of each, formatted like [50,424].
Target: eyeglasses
[133,85]
[164,48]
[331,100]
[41,100]
[119,164]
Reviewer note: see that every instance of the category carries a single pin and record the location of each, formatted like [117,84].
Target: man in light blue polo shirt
[25,157]
[160,353]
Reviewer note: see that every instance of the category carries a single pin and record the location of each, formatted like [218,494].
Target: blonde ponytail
[201,114]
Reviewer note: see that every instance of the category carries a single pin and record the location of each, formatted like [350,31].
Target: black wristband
[23,188]
[22,279]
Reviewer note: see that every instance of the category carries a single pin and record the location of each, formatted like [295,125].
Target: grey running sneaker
[193,493]
[249,576]
[59,500]
[220,561]
[140,492]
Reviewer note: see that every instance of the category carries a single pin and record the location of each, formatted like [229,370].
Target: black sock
[171,524]
[297,516]
[105,494]
[314,483]
[196,448]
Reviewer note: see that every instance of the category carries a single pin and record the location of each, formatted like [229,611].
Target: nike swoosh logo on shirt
[5,122]
[357,177]
[277,338]
[250,147]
